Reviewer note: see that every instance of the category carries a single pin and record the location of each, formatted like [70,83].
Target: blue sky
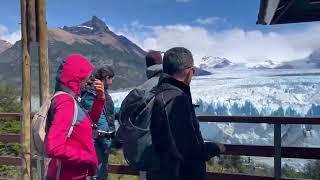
[234,13]
[215,26]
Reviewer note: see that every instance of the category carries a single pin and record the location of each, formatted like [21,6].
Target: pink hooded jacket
[77,153]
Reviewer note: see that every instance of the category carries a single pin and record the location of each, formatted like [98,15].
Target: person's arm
[56,140]
[184,133]
[98,102]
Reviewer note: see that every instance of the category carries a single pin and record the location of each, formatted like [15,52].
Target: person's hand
[99,88]
[214,149]
[222,148]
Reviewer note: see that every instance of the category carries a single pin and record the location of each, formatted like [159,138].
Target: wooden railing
[276,151]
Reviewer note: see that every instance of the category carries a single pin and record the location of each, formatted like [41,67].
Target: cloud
[209,20]
[236,44]
[11,37]
[182,1]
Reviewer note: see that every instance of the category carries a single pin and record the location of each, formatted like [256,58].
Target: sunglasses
[193,69]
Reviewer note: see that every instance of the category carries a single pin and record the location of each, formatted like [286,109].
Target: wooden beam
[126,170]
[11,115]
[10,138]
[300,152]
[44,85]
[12,161]
[212,176]
[43,50]
[31,21]
[122,169]
[249,150]
[26,96]
[265,119]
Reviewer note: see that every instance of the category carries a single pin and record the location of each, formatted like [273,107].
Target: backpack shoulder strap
[75,114]
[74,120]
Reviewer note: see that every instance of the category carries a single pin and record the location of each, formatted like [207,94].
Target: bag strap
[75,114]
[86,112]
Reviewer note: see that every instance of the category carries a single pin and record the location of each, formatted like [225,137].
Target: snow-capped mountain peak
[267,64]
[88,27]
[214,62]
[93,26]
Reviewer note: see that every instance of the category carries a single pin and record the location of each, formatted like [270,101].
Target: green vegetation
[9,99]
[116,157]
[290,172]
[9,102]
[312,170]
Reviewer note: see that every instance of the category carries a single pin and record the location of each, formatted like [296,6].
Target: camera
[91,80]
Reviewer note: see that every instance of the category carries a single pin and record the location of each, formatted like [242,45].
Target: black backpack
[134,130]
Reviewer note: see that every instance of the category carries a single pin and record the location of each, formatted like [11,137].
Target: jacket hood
[72,71]
[154,70]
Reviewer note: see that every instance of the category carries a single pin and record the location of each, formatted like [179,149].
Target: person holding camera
[68,140]
[105,128]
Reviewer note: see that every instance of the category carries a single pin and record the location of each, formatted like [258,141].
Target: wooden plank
[300,152]
[268,151]
[122,169]
[10,161]
[126,170]
[267,120]
[233,119]
[10,115]
[212,176]
[10,138]
[249,150]
[237,150]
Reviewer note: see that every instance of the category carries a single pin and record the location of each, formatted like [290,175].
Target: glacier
[256,93]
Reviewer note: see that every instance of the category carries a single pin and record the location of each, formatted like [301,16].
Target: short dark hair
[175,60]
[103,72]
[153,58]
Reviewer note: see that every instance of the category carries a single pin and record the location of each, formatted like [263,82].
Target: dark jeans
[102,147]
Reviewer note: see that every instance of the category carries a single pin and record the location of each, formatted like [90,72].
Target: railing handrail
[261,119]
[234,119]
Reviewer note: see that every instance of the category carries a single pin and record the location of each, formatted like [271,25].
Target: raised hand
[99,88]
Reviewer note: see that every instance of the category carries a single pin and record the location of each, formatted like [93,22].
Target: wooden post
[42,37]
[277,151]
[31,21]
[43,50]
[26,97]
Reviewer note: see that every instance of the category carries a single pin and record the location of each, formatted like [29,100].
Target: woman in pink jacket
[72,157]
